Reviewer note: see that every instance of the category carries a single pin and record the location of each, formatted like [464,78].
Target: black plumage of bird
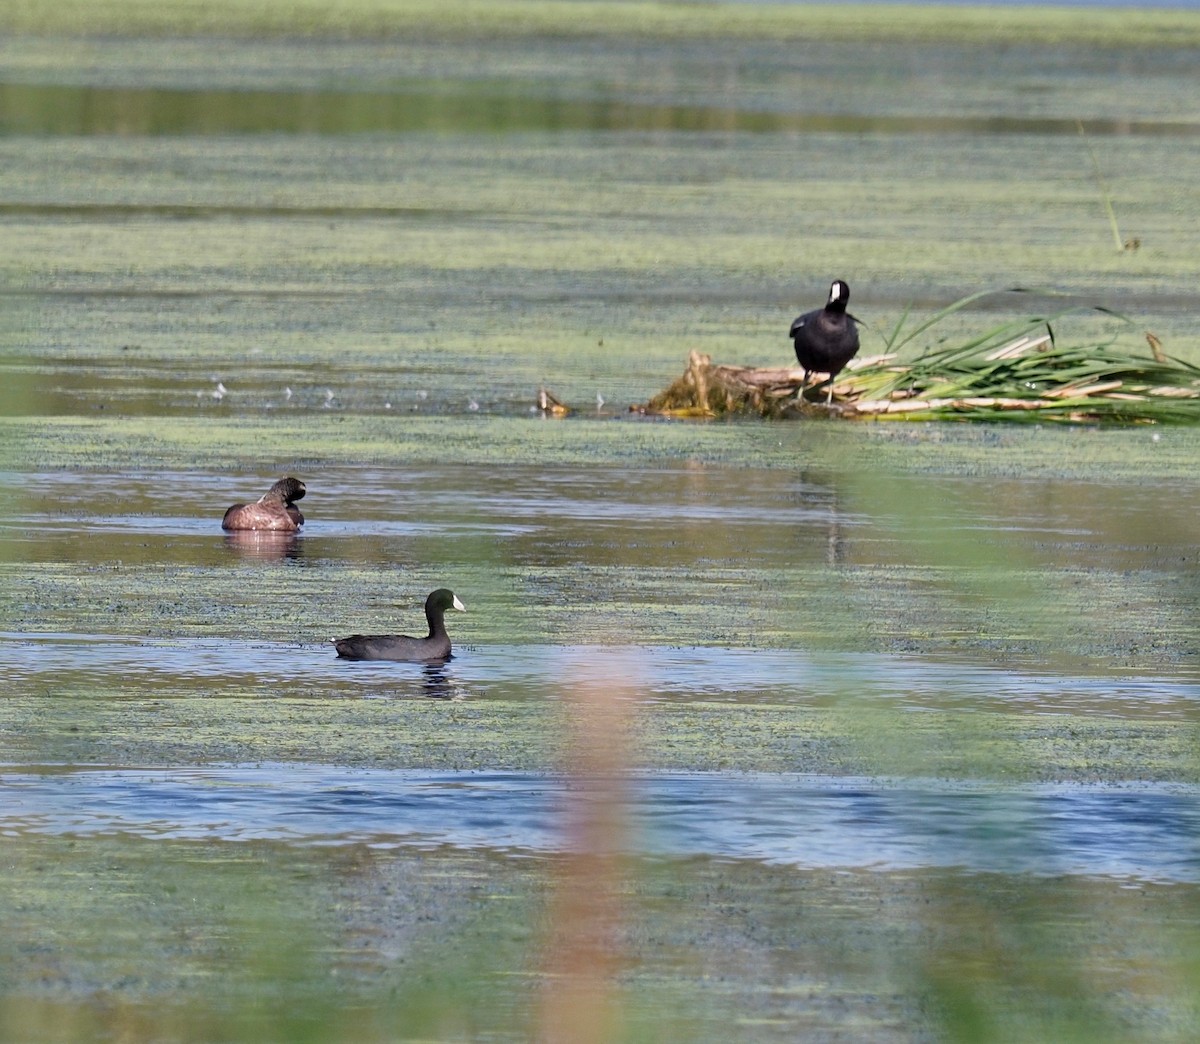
[826,338]
[434,647]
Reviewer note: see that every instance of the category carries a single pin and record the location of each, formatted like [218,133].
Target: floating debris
[549,405]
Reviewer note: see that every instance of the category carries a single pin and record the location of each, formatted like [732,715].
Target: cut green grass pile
[1020,370]
[1016,370]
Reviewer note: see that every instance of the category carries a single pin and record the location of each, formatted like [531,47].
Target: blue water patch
[649,673]
[1145,832]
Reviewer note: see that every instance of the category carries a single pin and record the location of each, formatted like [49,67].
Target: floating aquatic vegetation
[1017,370]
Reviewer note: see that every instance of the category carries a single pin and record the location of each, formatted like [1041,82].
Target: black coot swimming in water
[274,510]
[826,338]
[435,646]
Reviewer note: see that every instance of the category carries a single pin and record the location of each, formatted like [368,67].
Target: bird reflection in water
[264,545]
[439,683]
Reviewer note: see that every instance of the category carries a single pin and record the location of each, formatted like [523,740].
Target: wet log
[708,390]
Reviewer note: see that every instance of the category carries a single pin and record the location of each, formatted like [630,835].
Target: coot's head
[839,296]
[441,600]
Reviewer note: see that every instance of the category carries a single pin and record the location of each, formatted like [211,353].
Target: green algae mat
[350,241]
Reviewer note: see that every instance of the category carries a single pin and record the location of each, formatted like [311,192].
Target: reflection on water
[1022,578]
[263,545]
[1147,832]
[441,684]
[535,672]
[656,515]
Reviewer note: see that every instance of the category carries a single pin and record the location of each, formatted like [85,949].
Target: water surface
[1147,832]
[951,663]
[650,674]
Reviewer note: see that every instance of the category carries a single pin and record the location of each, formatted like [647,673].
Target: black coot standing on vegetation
[826,338]
[436,646]
[272,511]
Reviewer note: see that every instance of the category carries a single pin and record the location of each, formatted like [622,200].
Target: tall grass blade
[1105,194]
[1024,369]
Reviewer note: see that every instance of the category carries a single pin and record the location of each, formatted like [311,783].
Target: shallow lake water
[1131,833]
[534,672]
[908,715]
[636,580]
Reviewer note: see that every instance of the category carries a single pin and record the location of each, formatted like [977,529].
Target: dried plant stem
[1105,193]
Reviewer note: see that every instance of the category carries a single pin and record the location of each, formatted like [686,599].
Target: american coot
[826,338]
[435,646]
[273,510]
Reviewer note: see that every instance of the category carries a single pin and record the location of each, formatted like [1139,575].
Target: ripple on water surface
[1143,832]
[683,673]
